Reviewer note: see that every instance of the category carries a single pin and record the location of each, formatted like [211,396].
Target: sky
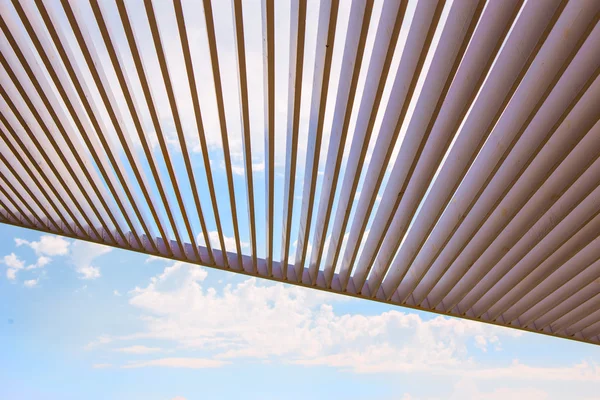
[81,320]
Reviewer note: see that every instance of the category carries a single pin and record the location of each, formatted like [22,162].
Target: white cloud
[236,169]
[139,350]
[11,274]
[12,261]
[82,255]
[291,325]
[41,262]
[482,342]
[47,245]
[30,283]
[193,363]
[296,325]
[178,398]
[88,272]
[116,293]
[14,264]
[101,366]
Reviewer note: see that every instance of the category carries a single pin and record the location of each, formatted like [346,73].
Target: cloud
[296,325]
[236,169]
[14,264]
[11,274]
[155,258]
[30,283]
[101,366]
[582,372]
[47,245]
[276,323]
[88,272]
[178,398]
[41,262]
[193,363]
[482,342]
[104,339]
[241,169]
[12,261]
[82,255]
[117,293]
[139,350]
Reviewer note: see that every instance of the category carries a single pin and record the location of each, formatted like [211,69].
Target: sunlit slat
[471,218]
[388,28]
[328,12]
[420,36]
[503,79]
[356,37]
[386,234]
[214,59]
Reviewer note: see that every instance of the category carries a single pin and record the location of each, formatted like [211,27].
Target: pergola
[449,158]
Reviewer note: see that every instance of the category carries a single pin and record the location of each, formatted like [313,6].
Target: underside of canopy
[437,155]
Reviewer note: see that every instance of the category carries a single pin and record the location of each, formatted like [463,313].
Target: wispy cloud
[101,340]
[193,363]
[83,254]
[139,349]
[87,272]
[101,366]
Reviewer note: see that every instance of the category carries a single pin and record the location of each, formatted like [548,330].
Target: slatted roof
[438,155]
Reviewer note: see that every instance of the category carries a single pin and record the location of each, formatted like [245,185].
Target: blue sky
[79,320]
[97,323]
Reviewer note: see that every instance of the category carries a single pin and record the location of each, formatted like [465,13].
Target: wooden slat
[356,37]
[296,68]
[214,59]
[386,39]
[326,28]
